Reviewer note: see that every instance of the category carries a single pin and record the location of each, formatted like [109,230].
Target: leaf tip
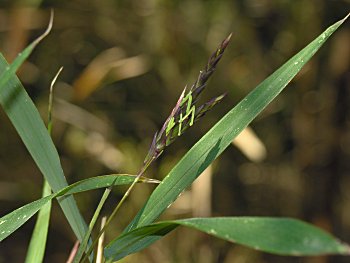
[343,20]
[47,31]
[344,249]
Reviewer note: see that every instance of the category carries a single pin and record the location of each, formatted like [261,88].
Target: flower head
[185,112]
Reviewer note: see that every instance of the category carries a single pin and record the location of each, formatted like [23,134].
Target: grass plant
[282,236]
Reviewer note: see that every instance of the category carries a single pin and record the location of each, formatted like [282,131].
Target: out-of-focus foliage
[125,64]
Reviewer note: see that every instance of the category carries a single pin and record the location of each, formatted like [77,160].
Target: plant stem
[85,241]
[99,255]
[116,209]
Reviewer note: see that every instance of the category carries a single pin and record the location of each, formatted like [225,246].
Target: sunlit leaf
[37,245]
[281,236]
[12,221]
[26,119]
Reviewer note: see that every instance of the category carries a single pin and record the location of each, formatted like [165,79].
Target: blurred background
[125,64]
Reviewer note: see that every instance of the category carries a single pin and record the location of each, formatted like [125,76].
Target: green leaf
[282,236]
[26,119]
[37,245]
[9,71]
[12,221]
[212,144]
[82,247]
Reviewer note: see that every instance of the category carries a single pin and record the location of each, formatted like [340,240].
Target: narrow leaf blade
[37,245]
[26,119]
[282,236]
[12,221]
